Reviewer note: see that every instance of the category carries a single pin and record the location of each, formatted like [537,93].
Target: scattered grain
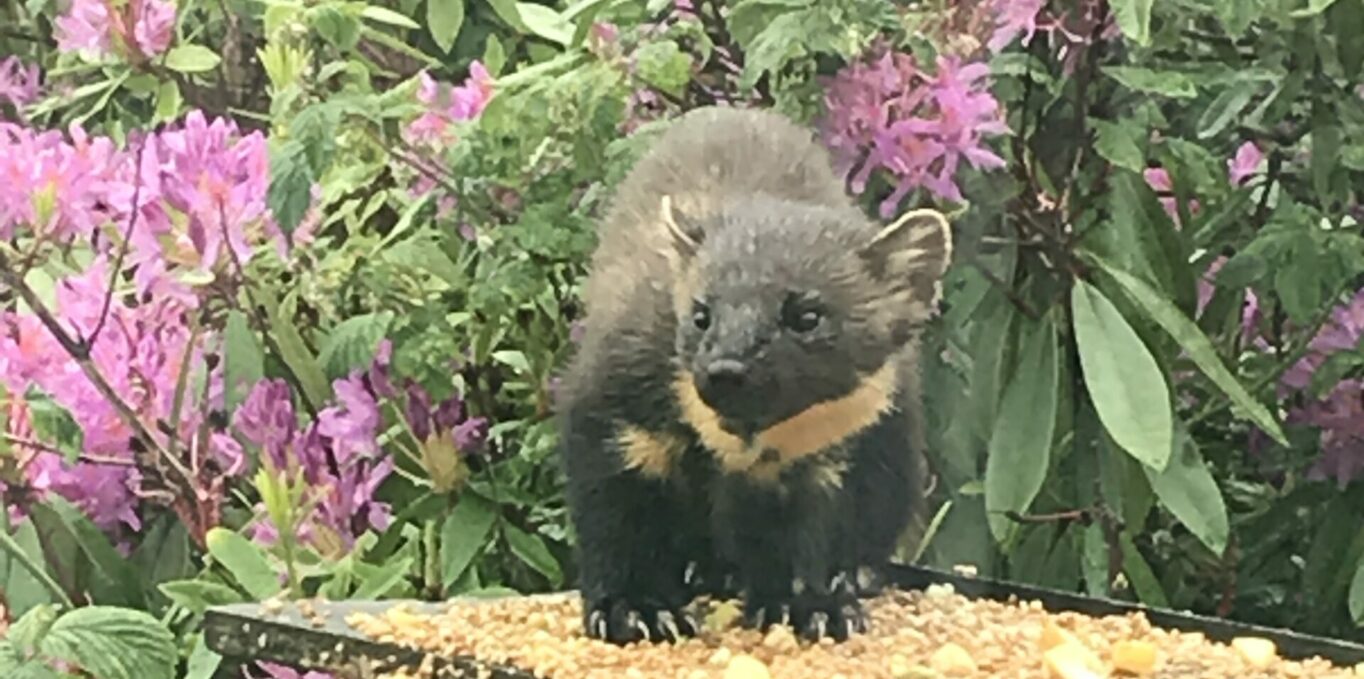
[908,637]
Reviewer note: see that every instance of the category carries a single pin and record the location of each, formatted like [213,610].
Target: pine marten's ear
[916,249]
[683,232]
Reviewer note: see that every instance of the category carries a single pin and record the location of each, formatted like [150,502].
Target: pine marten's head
[791,317]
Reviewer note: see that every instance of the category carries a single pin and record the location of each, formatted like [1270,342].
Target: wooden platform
[316,635]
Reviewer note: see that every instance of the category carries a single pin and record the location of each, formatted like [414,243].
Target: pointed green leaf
[531,549]
[1166,83]
[1124,381]
[444,18]
[352,344]
[465,533]
[199,595]
[1357,595]
[191,59]
[1020,445]
[1196,344]
[1120,143]
[1187,489]
[243,360]
[1225,108]
[387,16]
[245,561]
[1134,19]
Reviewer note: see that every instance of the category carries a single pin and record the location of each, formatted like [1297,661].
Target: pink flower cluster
[889,113]
[1340,413]
[137,29]
[139,351]
[1240,167]
[432,129]
[338,453]
[200,192]
[200,189]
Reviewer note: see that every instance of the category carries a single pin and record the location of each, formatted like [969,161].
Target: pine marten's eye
[700,316]
[801,314]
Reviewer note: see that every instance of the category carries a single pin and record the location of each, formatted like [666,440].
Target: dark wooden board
[325,641]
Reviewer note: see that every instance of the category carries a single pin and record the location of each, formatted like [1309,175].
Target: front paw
[834,613]
[622,620]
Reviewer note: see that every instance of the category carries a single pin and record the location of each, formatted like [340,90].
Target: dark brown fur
[732,248]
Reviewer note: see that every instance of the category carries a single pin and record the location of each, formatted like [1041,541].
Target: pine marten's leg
[881,480]
[627,523]
[795,561]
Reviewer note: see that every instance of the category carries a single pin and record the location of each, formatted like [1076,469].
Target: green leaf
[1120,143]
[336,27]
[19,556]
[245,561]
[1134,19]
[1196,344]
[1357,595]
[1225,108]
[1326,143]
[1188,490]
[28,631]
[515,359]
[510,12]
[1166,83]
[664,65]
[54,426]
[383,580]
[168,102]
[353,343]
[444,18]
[494,55]
[191,59]
[543,21]
[1313,8]
[203,662]
[388,16]
[1020,445]
[1124,381]
[1237,15]
[113,643]
[243,360]
[115,581]
[532,550]
[291,183]
[1139,573]
[199,595]
[295,353]
[465,532]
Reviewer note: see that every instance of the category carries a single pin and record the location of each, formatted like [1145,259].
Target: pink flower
[19,84]
[465,102]
[1159,180]
[144,27]
[1011,18]
[1244,163]
[916,126]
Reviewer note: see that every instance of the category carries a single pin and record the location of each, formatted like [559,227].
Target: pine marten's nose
[722,384]
[726,373]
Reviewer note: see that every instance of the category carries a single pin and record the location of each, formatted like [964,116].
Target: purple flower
[353,423]
[19,84]
[916,126]
[418,411]
[266,418]
[143,27]
[1011,18]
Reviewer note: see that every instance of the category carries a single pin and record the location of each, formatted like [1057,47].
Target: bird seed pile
[913,635]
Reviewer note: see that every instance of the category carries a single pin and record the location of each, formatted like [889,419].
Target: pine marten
[738,403]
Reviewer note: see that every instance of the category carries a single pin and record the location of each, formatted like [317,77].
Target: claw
[839,581]
[820,621]
[760,618]
[633,620]
[690,619]
[848,622]
[668,625]
[785,615]
[596,624]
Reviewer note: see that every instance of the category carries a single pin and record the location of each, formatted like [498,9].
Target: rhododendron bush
[285,289]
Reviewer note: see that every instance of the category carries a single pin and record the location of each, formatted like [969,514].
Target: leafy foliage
[310,271]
